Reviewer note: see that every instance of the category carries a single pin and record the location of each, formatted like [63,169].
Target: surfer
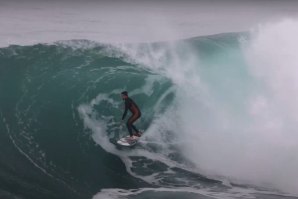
[136,114]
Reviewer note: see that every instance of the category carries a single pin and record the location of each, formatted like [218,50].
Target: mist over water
[254,139]
[273,62]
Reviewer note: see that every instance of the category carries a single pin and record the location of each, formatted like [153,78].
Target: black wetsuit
[136,114]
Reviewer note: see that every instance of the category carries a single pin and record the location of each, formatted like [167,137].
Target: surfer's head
[124,94]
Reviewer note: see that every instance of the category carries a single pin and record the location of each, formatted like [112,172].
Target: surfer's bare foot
[138,134]
[132,137]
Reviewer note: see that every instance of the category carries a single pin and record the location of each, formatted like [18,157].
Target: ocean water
[219,118]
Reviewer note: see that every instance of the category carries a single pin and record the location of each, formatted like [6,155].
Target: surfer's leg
[134,128]
[137,132]
[130,122]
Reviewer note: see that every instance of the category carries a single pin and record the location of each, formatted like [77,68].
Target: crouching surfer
[136,114]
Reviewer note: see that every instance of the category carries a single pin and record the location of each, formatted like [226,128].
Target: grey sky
[122,21]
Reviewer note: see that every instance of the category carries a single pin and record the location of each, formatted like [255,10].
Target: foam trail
[99,125]
[185,192]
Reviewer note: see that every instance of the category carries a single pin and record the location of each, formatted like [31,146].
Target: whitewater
[219,105]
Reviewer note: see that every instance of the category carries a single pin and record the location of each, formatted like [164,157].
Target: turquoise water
[60,111]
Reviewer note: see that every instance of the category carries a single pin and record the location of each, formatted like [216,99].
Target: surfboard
[127,141]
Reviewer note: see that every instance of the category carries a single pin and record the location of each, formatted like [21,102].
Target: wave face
[215,124]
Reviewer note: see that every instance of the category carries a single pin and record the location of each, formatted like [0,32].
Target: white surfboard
[127,141]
